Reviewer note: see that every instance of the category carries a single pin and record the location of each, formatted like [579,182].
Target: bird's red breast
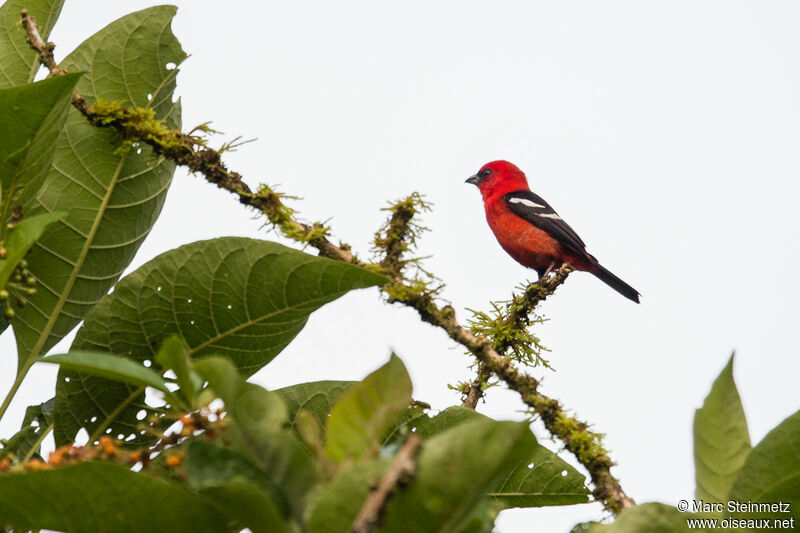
[526,243]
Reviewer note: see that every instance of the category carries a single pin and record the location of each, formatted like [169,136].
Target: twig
[518,311]
[188,151]
[401,471]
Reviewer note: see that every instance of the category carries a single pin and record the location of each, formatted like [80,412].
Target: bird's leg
[549,269]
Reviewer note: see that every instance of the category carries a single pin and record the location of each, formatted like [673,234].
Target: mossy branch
[507,326]
[140,125]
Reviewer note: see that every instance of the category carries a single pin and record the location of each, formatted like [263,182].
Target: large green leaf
[540,479]
[18,62]
[721,439]
[242,298]
[771,473]
[367,411]
[112,197]
[101,497]
[456,470]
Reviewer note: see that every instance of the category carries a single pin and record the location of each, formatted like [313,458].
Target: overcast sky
[665,133]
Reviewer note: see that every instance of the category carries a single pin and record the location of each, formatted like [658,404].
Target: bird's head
[499,178]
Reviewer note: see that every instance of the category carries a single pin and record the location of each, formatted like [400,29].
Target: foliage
[726,470]
[213,451]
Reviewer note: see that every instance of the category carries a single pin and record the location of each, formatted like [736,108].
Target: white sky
[665,133]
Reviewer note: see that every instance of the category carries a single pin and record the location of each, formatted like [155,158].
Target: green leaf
[367,411]
[721,439]
[112,197]
[644,518]
[32,117]
[540,479]
[771,473]
[456,470]
[112,367]
[257,420]
[173,356]
[20,443]
[19,62]
[21,239]
[35,426]
[316,397]
[451,417]
[242,298]
[101,497]
[42,413]
[208,465]
[256,410]
[336,505]
[246,506]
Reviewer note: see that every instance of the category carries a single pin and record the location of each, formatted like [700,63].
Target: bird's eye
[485,172]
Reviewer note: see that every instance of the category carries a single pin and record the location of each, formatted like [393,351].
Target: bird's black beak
[473,179]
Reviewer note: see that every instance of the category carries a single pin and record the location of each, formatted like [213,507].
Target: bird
[531,231]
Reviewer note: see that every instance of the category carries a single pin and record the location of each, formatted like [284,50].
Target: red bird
[531,231]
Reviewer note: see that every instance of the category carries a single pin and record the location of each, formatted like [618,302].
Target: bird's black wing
[535,210]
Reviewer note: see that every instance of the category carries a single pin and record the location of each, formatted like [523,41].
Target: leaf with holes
[95,497]
[721,439]
[19,62]
[112,197]
[242,298]
[540,479]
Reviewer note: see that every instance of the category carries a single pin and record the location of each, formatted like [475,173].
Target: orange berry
[34,464]
[56,457]
[5,464]
[174,460]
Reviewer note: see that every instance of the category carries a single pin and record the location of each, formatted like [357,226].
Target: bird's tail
[615,283]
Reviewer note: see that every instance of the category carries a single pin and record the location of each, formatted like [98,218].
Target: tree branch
[138,124]
[508,330]
[401,471]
